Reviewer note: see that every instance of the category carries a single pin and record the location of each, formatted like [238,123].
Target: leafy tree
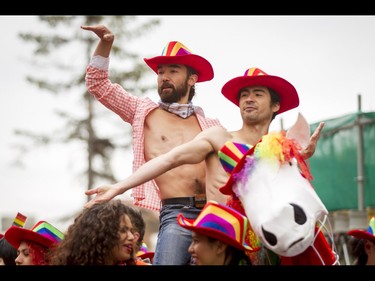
[57,51]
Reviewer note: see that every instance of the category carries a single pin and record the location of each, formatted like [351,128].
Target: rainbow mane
[276,149]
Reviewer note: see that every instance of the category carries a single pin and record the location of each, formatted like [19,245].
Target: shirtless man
[259,97]
[157,128]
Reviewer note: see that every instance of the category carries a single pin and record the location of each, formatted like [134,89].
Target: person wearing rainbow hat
[259,97]
[218,236]
[364,248]
[157,127]
[8,253]
[33,245]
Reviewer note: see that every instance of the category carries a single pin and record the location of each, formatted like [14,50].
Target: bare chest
[164,130]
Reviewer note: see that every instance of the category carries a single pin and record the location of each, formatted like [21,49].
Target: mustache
[166,85]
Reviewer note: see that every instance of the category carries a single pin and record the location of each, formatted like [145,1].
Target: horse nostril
[299,214]
[271,239]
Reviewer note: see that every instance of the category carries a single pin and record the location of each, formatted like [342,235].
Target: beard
[169,94]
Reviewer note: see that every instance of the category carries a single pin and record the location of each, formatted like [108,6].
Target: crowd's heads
[256,77]
[220,222]
[177,53]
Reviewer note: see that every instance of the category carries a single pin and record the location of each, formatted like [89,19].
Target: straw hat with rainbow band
[368,234]
[256,77]
[177,53]
[42,233]
[220,222]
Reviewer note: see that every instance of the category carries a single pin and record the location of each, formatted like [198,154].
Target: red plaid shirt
[133,110]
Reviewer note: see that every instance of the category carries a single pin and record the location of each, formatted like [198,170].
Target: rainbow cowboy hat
[177,53]
[256,77]
[220,222]
[368,234]
[42,233]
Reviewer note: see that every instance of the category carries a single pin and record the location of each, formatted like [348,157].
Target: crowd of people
[112,232]
[181,160]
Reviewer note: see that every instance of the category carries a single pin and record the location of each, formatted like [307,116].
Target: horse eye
[271,239]
[299,214]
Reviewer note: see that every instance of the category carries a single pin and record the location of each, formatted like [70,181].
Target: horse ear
[300,131]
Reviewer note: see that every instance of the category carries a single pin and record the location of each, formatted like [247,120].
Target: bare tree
[64,49]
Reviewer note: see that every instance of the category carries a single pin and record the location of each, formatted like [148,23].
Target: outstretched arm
[106,39]
[310,149]
[192,152]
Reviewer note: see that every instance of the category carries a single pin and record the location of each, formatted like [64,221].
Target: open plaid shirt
[133,110]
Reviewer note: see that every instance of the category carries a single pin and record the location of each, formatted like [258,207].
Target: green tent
[343,165]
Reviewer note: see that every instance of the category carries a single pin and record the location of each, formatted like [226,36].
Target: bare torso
[163,131]
[216,177]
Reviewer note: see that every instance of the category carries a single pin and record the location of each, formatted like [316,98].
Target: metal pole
[360,158]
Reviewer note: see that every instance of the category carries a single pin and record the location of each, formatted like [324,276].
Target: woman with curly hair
[100,235]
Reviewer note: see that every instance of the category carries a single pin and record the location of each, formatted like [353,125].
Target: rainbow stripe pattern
[48,231]
[220,222]
[19,220]
[371,226]
[253,71]
[231,153]
[175,48]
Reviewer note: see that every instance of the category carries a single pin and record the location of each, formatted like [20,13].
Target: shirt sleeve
[100,62]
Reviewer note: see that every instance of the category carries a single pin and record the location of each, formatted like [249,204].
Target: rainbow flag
[19,220]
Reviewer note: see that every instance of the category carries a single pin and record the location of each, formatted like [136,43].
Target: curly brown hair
[92,236]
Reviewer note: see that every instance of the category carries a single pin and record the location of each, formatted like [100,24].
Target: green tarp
[334,165]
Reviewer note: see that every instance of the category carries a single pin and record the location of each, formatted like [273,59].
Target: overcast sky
[329,59]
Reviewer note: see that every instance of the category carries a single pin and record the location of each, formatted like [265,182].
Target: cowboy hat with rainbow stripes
[368,234]
[42,233]
[220,222]
[177,53]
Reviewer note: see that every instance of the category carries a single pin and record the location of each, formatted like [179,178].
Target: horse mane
[276,148]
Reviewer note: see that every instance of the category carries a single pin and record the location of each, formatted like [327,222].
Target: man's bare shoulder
[213,131]
[215,136]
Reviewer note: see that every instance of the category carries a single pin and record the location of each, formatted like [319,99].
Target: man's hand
[103,193]
[106,39]
[101,31]
[310,149]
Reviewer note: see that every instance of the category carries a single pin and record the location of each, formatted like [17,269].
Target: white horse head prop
[272,181]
